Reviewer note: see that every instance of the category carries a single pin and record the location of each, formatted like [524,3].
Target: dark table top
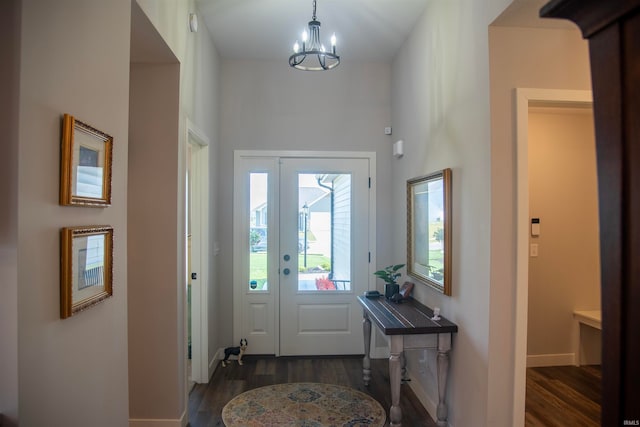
[407,317]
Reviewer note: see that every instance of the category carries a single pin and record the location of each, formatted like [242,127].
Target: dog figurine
[236,351]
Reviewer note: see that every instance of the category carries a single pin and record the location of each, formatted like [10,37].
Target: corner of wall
[9,122]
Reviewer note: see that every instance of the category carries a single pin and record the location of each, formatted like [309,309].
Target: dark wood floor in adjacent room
[563,396]
[207,400]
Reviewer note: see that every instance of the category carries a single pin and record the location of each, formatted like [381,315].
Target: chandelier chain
[314,10]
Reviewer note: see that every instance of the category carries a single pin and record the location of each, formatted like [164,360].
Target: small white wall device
[398,149]
[535,227]
[193,22]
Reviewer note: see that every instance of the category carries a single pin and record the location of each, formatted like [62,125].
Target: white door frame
[524,98]
[200,370]
[237,250]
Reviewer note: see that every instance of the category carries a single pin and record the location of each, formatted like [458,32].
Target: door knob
[286,271]
[286,257]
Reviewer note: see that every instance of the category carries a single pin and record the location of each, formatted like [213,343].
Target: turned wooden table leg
[395,378]
[366,361]
[444,346]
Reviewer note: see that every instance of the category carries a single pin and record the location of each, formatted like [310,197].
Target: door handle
[286,271]
[286,257]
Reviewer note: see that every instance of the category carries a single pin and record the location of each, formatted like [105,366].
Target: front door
[302,253]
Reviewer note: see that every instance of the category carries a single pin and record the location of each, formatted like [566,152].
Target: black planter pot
[390,290]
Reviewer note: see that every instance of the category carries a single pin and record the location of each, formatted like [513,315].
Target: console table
[409,325]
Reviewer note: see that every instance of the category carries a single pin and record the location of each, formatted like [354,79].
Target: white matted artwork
[86,267]
[85,170]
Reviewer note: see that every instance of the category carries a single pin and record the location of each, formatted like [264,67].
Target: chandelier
[312,55]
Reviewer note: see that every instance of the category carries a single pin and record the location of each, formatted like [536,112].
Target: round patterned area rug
[303,405]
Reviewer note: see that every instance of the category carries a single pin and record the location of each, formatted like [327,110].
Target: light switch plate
[533,250]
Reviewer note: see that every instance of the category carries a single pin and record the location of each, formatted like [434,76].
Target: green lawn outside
[436,259]
[258,265]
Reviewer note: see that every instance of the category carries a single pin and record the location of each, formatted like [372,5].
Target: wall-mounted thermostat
[535,227]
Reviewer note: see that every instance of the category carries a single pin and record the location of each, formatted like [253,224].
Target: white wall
[9,87]
[199,102]
[203,109]
[563,194]
[440,109]
[68,65]
[156,336]
[525,58]
[270,106]
[72,372]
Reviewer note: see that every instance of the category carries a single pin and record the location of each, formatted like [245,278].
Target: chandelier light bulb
[333,40]
[296,47]
[322,49]
[305,36]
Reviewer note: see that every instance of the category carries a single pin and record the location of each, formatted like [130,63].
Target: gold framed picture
[86,266]
[85,167]
[429,229]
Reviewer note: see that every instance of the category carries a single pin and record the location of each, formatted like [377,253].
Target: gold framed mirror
[429,229]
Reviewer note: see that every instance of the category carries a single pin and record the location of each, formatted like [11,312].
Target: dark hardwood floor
[563,396]
[207,400]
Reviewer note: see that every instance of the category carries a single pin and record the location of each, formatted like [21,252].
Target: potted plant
[390,274]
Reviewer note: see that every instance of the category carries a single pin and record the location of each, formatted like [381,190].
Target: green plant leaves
[390,273]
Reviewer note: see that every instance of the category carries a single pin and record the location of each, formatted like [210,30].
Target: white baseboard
[213,363]
[540,360]
[429,404]
[182,422]
[426,401]
[219,355]
[380,353]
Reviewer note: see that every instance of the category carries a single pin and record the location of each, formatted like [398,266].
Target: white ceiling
[367,30]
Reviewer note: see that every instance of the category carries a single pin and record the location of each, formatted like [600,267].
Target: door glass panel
[324,232]
[258,241]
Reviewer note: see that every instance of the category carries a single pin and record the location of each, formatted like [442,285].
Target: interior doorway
[564,249]
[197,208]
[525,99]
